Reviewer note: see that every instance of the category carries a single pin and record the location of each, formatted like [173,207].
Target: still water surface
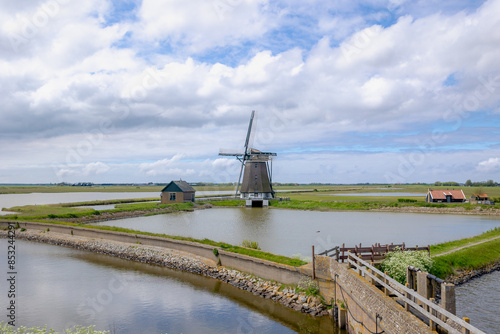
[61,287]
[10,200]
[291,232]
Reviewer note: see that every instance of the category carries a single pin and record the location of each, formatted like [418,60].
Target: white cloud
[95,168]
[185,24]
[490,165]
[145,80]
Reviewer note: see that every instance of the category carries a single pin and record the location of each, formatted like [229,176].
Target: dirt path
[467,246]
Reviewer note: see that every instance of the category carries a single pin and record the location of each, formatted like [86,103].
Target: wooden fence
[375,253]
[435,314]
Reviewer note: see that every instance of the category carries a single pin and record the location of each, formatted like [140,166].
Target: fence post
[386,281]
[448,298]
[422,286]
[432,324]
[313,264]
[407,306]
[343,253]
[465,330]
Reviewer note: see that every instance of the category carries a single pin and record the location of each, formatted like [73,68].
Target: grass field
[473,257]
[313,192]
[447,246]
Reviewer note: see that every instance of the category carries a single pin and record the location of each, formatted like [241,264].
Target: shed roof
[176,186]
[441,194]
[480,195]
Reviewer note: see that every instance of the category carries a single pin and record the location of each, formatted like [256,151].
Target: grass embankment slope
[471,254]
[60,214]
[44,213]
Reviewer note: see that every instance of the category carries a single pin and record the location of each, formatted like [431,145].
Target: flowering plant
[396,263]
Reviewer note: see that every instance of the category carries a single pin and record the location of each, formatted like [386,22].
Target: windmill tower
[256,167]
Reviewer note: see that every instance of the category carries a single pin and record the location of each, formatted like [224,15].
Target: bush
[406,200]
[396,263]
[308,286]
[250,244]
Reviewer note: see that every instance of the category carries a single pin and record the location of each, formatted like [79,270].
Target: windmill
[256,167]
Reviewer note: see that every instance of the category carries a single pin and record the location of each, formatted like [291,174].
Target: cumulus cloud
[490,165]
[95,168]
[333,78]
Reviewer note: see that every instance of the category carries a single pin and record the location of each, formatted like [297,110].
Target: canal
[293,232]
[61,287]
[478,300]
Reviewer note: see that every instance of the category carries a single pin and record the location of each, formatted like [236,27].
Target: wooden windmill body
[256,167]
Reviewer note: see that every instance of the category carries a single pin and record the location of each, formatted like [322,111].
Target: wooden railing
[333,252]
[375,253]
[433,312]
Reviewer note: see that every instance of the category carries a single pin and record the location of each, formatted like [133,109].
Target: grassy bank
[68,211]
[472,257]
[366,205]
[223,245]
[447,246]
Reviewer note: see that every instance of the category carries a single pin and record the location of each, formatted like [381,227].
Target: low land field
[473,253]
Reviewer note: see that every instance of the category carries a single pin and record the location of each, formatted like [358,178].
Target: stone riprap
[464,276]
[183,261]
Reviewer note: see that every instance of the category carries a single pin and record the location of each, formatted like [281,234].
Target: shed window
[173,196]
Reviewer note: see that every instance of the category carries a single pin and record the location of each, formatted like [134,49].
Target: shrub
[308,286]
[406,200]
[396,263]
[250,244]
[216,252]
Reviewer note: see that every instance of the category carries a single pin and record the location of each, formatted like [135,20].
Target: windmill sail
[256,186]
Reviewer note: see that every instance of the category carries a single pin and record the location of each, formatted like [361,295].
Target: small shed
[445,196]
[480,198]
[177,192]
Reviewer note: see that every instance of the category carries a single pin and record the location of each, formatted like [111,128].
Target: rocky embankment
[183,261]
[465,276]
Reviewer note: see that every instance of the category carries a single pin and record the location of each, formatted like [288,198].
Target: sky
[345,91]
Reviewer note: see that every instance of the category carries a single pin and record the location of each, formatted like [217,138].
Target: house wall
[165,197]
[188,196]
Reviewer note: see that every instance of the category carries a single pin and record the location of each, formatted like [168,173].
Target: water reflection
[61,286]
[290,232]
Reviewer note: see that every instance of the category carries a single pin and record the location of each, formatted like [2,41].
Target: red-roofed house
[446,196]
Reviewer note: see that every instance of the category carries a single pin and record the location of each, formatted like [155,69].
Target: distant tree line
[489,183]
[468,183]
[447,184]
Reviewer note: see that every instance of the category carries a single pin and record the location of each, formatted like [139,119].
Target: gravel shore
[182,261]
